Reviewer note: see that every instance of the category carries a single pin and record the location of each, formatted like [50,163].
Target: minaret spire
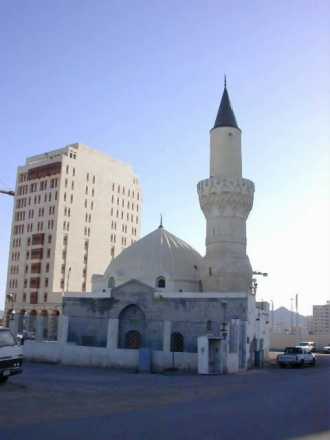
[161,222]
[226,116]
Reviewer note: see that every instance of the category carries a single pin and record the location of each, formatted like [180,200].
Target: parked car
[296,356]
[11,356]
[308,345]
[326,349]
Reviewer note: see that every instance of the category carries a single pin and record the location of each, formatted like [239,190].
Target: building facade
[160,304]
[321,319]
[75,209]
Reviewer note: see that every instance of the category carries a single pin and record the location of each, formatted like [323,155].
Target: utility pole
[291,314]
[297,317]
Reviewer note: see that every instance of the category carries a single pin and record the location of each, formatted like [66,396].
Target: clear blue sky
[142,81]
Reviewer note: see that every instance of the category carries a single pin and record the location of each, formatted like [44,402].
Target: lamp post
[254,283]
[272,314]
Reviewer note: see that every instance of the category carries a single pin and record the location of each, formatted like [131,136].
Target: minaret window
[161,282]
[111,282]
[210,271]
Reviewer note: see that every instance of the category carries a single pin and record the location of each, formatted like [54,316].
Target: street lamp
[254,283]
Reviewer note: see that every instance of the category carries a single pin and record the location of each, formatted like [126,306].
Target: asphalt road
[56,402]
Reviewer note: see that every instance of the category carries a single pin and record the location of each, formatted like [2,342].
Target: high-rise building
[321,319]
[75,209]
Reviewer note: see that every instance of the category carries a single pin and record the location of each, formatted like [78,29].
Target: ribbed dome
[158,254]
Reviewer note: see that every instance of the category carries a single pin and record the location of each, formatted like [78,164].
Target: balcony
[44,171]
[38,239]
[34,298]
[37,254]
[35,283]
[36,268]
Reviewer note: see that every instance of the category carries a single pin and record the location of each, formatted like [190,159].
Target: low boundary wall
[70,354]
[279,341]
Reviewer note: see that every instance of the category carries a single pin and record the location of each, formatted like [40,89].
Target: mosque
[160,304]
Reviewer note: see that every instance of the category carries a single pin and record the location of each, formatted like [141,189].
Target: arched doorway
[21,321]
[44,324]
[53,325]
[132,324]
[177,342]
[32,322]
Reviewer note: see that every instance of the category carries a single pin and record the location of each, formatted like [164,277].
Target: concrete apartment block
[75,210]
[321,319]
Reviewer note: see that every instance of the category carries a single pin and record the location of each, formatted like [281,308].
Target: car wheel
[3,379]
[313,362]
[282,365]
[301,364]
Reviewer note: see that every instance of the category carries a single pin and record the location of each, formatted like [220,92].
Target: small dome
[159,259]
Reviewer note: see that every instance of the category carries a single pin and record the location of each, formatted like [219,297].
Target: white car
[308,345]
[11,357]
[296,356]
[326,349]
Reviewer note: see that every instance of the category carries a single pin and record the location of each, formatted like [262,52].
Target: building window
[177,342]
[161,282]
[45,297]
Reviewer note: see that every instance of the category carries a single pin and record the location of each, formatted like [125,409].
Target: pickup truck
[11,357]
[296,356]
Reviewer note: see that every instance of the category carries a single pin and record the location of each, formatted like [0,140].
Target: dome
[161,260]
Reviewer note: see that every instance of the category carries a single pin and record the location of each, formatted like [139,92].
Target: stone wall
[191,317]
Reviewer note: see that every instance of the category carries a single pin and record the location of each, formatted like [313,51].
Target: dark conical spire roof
[225,116]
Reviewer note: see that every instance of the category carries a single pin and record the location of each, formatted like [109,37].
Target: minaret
[226,200]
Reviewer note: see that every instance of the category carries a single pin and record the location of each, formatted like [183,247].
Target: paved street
[56,402]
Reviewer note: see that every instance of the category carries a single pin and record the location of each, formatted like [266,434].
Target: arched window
[133,340]
[209,326]
[161,282]
[111,282]
[177,342]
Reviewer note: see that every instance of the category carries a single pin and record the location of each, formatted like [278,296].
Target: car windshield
[293,350]
[6,339]
[304,344]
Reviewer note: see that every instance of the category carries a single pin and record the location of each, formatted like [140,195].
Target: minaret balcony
[226,196]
